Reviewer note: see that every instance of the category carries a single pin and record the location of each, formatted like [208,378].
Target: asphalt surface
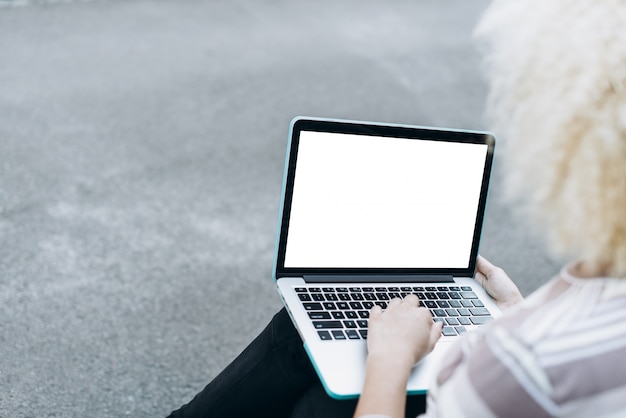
[141,155]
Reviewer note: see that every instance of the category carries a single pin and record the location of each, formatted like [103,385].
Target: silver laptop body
[372,208]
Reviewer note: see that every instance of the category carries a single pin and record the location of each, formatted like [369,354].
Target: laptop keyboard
[341,313]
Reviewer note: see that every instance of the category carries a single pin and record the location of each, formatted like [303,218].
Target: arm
[497,284]
[397,339]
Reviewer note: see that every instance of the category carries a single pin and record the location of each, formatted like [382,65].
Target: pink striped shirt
[560,353]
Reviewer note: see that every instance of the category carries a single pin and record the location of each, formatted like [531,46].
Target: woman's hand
[397,339]
[497,284]
[403,334]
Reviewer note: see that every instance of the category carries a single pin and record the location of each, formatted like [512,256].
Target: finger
[435,333]
[411,300]
[480,278]
[394,302]
[484,266]
[376,311]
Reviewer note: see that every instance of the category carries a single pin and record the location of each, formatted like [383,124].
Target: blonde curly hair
[557,101]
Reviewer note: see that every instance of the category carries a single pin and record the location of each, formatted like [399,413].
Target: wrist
[395,367]
[510,302]
[384,390]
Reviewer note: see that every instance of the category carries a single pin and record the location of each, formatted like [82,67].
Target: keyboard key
[405,289]
[318,297]
[394,289]
[312,306]
[443,295]
[443,304]
[331,297]
[454,295]
[421,296]
[369,296]
[452,312]
[394,295]
[351,315]
[464,312]
[438,320]
[329,306]
[363,333]
[430,295]
[355,289]
[467,303]
[418,289]
[479,311]
[448,331]
[431,289]
[344,296]
[368,305]
[324,335]
[328,289]
[430,304]
[455,288]
[362,323]
[327,324]
[356,305]
[381,289]
[343,306]
[368,289]
[319,315]
[300,289]
[466,288]
[349,324]
[464,320]
[382,296]
[304,297]
[338,334]
[338,315]
[356,296]
[452,321]
[480,320]
[315,289]
[460,330]
[469,295]
[439,312]
[382,304]
[455,304]
[352,334]
[364,314]
[478,303]
[342,289]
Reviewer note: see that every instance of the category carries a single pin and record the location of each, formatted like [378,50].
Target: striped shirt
[560,353]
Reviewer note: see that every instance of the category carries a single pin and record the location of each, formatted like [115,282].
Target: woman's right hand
[497,284]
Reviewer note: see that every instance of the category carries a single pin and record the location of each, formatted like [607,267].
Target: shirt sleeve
[490,373]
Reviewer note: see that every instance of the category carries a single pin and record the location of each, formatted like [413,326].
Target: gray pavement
[142,147]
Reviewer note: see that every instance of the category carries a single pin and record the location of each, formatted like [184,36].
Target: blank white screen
[377,202]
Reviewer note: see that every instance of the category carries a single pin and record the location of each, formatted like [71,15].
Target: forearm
[384,391]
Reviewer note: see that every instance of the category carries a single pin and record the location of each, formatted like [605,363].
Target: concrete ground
[141,155]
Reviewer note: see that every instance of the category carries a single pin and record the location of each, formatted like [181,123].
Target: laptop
[373,211]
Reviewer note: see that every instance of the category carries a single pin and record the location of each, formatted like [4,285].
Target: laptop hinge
[359,278]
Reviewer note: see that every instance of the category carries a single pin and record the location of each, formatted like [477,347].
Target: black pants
[273,377]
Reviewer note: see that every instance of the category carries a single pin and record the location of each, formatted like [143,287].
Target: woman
[558,102]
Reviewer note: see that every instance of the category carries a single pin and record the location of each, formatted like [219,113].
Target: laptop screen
[377,201]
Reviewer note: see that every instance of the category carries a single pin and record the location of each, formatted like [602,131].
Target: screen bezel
[301,124]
